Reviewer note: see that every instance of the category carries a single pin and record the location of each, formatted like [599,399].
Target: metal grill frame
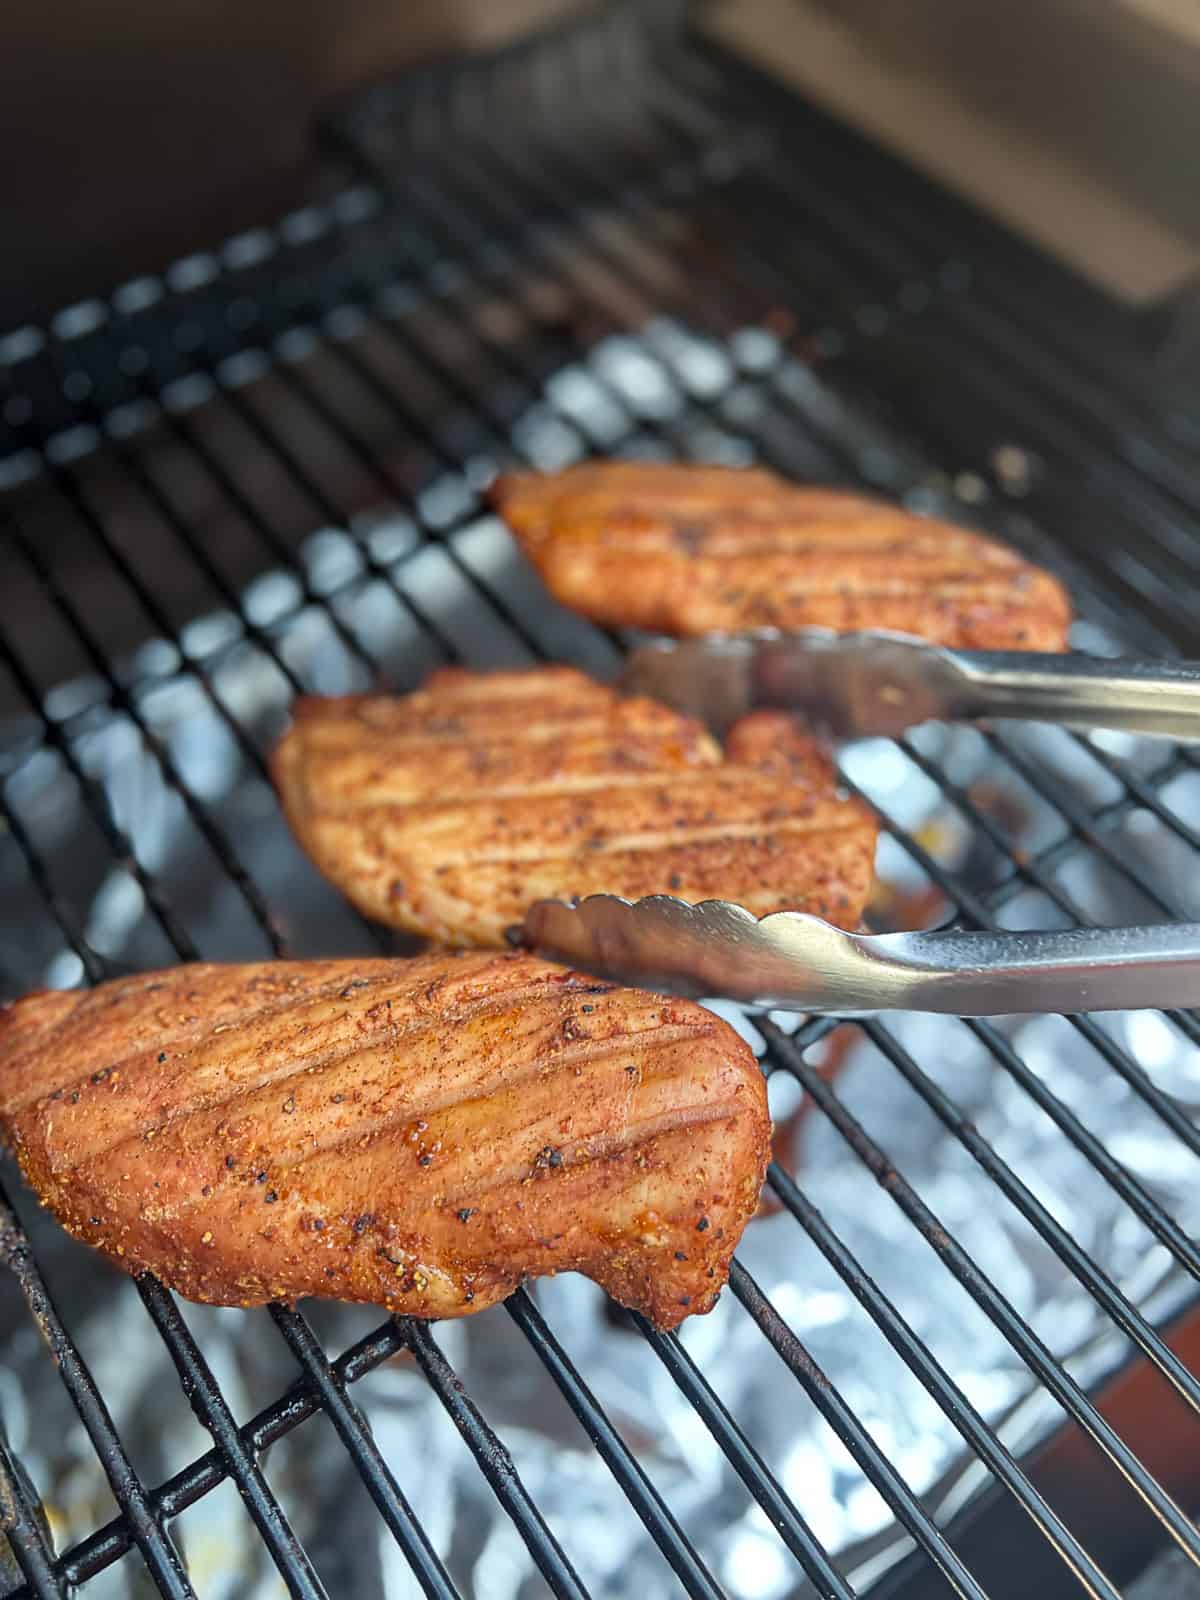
[696,124]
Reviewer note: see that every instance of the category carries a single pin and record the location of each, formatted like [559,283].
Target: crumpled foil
[467,588]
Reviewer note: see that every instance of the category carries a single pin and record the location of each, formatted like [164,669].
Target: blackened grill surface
[261,474]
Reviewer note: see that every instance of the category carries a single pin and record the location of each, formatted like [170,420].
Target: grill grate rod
[1081,823]
[995,1305]
[20,1526]
[1163,1226]
[496,1465]
[120,846]
[1107,815]
[158,1552]
[170,1499]
[1097,1282]
[329,1389]
[125,704]
[95,967]
[920,1360]
[841,1418]
[213,1413]
[748,1464]
[620,1460]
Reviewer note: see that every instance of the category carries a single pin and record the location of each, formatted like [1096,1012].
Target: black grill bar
[618,1458]
[213,1413]
[496,1465]
[94,967]
[110,1543]
[185,535]
[121,847]
[21,1527]
[1163,1226]
[997,1308]
[841,1418]
[1098,1283]
[1036,869]
[749,1465]
[353,1430]
[460,232]
[1070,845]
[146,1527]
[1081,823]
[125,704]
[919,1359]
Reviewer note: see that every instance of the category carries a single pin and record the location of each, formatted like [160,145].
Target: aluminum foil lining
[469,588]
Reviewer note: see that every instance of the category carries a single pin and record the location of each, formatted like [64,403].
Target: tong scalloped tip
[791,961]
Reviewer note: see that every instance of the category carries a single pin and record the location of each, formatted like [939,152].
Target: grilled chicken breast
[687,550]
[422,1135]
[449,811]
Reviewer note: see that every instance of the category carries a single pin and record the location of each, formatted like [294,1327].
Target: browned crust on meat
[448,812]
[422,1135]
[689,550]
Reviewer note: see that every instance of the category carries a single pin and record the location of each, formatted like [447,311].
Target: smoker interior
[260,474]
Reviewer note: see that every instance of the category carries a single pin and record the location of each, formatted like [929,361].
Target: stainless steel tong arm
[884,683]
[793,962]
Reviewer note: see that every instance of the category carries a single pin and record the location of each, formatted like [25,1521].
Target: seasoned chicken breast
[449,811]
[687,550]
[422,1135]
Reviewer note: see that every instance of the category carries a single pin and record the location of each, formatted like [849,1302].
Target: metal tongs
[789,961]
[855,684]
[880,683]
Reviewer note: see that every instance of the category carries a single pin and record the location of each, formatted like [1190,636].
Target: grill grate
[699,266]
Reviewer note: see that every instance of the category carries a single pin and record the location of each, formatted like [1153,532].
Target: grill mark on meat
[169,1037]
[400,835]
[93,1132]
[822,537]
[757,551]
[170,1026]
[648,843]
[577,1054]
[455,1188]
[563,782]
[814,584]
[544,829]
